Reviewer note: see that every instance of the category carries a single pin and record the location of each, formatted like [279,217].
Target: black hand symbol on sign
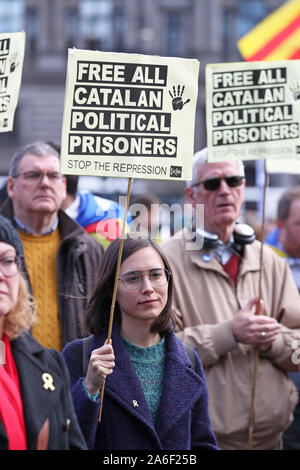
[295,89]
[177,101]
[13,64]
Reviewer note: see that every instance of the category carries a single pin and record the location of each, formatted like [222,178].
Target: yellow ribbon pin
[48,381]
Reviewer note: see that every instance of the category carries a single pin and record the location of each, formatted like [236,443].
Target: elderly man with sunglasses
[216,268]
[61,260]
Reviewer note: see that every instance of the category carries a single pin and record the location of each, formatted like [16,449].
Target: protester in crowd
[36,408]
[100,217]
[216,271]
[155,397]
[145,210]
[61,259]
[285,240]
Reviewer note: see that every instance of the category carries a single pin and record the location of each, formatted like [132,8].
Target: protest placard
[253,110]
[280,165]
[129,115]
[12,48]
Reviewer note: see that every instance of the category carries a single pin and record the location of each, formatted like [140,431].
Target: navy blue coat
[182,419]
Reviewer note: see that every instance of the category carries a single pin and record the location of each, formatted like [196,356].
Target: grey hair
[39,149]
[200,158]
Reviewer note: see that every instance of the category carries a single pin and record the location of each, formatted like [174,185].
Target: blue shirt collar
[26,230]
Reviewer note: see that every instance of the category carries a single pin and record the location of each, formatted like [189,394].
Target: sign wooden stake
[112,308]
[258,312]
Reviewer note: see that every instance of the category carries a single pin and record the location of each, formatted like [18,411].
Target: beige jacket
[205,302]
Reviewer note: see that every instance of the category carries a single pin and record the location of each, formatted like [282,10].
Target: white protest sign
[279,165]
[129,115]
[253,110]
[12,48]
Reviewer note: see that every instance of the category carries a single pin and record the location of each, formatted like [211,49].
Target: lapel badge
[48,381]
[67,425]
[206,257]
[135,403]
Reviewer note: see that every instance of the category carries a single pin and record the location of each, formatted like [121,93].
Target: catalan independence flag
[277,37]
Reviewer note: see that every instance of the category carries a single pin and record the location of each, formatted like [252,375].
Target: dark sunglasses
[212,184]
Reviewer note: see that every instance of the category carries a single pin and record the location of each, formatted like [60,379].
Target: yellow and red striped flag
[277,37]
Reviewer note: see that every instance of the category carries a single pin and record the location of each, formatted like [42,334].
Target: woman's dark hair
[99,304]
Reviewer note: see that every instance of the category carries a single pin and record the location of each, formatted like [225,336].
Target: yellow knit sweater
[40,255]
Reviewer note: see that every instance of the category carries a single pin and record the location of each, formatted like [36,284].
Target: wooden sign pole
[258,312]
[112,308]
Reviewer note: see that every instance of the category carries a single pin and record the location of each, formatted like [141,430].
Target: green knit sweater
[149,365]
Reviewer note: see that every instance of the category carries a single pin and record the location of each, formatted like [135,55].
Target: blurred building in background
[204,29]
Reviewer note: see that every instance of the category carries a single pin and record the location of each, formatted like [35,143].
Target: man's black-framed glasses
[212,184]
[10,265]
[38,176]
[159,277]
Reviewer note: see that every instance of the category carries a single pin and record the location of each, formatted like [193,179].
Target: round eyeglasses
[159,277]
[10,265]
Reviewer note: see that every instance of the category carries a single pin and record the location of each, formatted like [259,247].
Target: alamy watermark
[148,222]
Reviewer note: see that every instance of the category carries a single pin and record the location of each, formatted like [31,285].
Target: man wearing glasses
[216,280]
[61,260]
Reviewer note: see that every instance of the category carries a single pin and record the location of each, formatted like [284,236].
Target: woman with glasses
[36,409]
[154,397]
